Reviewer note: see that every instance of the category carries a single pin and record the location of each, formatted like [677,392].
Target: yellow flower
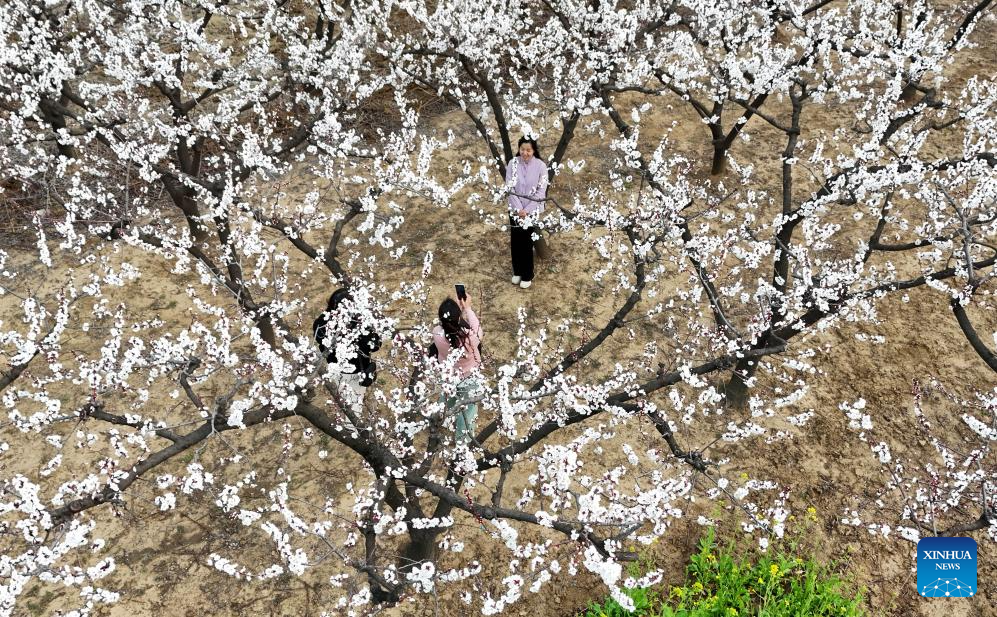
[697,587]
[678,591]
[774,569]
[811,510]
[761,581]
[732,611]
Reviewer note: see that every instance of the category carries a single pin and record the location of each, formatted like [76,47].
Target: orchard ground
[161,556]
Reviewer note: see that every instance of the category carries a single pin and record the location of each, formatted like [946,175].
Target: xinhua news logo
[946,567]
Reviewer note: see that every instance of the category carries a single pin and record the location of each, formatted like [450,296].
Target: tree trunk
[380,591]
[380,595]
[908,93]
[719,160]
[183,198]
[267,332]
[58,122]
[421,548]
[735,391]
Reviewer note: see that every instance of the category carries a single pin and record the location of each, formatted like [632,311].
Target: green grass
[720,583]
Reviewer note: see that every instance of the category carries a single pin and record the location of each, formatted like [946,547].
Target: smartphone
[461,291]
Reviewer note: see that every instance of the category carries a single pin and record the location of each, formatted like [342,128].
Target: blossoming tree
[162,132]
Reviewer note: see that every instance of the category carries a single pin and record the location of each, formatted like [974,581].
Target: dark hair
[533,142]
[336,299]
[454,326]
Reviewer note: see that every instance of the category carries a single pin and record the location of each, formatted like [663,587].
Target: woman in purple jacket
[526,180]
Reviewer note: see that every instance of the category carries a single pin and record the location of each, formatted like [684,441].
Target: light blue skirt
[465,420]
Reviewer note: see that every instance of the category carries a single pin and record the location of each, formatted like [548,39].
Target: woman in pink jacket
[526,181]
[459,333]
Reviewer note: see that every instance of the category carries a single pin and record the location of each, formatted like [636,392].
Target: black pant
[522,250]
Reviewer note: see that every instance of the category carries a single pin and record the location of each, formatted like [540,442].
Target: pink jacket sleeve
[473,322]
[474,336]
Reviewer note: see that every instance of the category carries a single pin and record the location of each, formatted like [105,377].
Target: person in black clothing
[339,334]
